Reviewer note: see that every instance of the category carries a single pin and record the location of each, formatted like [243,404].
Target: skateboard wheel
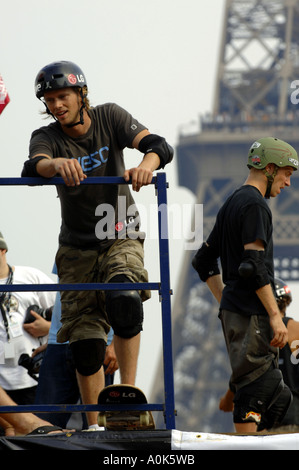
[144,418]
[102,420]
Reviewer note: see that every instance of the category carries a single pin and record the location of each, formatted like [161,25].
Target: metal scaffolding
[167,406]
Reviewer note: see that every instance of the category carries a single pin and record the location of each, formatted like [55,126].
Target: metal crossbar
[163,286]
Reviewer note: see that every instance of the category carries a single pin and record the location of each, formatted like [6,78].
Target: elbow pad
[29,168]
[253,267]
[205,263]
[155,143]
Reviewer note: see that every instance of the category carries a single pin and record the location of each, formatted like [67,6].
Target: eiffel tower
[255,96]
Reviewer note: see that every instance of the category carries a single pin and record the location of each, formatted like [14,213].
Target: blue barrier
[163,287]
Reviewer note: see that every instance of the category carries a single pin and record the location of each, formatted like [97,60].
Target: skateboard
[129,420]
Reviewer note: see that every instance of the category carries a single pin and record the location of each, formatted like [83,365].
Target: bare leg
[90,387]
[127,351]
[244,428]
[18,423]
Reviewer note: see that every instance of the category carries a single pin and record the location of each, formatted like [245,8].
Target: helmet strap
[81,120]
[270,178]
[47,109]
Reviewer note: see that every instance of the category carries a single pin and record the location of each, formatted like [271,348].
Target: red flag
[4,98]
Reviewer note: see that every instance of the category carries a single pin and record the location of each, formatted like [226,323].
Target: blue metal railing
[163,287]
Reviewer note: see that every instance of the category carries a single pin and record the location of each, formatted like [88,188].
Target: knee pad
[124,310]
[276,412]
[264,401]
[88,355]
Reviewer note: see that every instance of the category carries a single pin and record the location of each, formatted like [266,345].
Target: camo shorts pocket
[125,257]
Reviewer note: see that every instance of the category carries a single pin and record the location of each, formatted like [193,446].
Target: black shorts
[248,344]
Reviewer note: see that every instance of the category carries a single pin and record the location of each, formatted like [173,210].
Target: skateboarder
[85,141]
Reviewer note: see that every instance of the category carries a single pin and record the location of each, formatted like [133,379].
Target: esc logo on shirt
[94,160]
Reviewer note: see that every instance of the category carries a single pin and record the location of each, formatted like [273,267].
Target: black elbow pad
[155,143]
[29,168]
[253,267]
[205,263]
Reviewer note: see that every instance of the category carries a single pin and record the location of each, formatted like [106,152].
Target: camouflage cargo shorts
[83,314]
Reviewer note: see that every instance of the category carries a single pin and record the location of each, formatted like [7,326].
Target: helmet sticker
[256,160]
[294,161]
[255,145]
[72,79]
[281,291]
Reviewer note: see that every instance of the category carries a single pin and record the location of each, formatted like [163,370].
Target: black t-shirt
[244,218]
[94,215]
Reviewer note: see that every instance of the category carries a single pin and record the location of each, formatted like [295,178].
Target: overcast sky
[155,58]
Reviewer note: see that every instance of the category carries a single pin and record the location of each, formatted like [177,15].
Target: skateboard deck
[129,420]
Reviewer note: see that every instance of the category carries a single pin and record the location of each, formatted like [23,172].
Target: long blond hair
[85,97]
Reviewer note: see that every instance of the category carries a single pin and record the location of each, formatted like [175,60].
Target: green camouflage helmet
[271,150]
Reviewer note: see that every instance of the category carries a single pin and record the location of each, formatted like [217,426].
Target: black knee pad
[124,310]
[264,401]
[275,414]
[88,355]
